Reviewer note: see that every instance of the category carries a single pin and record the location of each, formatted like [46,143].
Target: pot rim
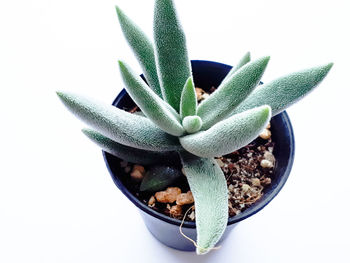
[231,220]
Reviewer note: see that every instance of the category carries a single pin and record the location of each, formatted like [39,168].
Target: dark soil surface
[248,171]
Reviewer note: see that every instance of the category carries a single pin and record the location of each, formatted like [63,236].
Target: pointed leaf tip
[121,126]
[151,105]
[142,48]
[208,185]
[231,92]
[286,90]
[173,65]
[188,102]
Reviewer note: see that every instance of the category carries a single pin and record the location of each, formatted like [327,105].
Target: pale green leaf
[244,60]
[208,186]
[188,104]
[279,94]
[127,153]
[173,65]
[192,124]
[231,93]
[159,177]
[142,48]
[228,135]
[151,105]
[121,126]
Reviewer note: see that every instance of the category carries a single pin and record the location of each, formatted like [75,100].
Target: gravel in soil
[248,171]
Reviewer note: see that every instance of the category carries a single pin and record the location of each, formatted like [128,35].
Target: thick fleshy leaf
[159,177]
[142,48]
[173,65]
[228,135]
[231,93]
[151,105]
[244,60]
[192,124]
[121,126]
[188,105]
[208,185]
[127,153]
[283,92]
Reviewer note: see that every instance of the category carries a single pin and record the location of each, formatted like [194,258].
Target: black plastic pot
[206,75]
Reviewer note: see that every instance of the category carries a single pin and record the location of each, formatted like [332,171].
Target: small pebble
[266,134]
[245,188]
[256,182]
[266,164]
[269,156]
[152,201]
[266,181]
[185,198]
[176,210]
[220,163]
[205,96]
[137,173]
[169,195]
[199,93]
[192,215]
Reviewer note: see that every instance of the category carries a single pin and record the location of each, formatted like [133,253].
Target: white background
[57,200]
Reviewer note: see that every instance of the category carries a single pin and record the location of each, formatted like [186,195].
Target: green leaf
[208,186]
[279,94]
[142,48]
[228,135]
[244,60]
[159,177]
[121,126]
[192,124]
[151,105]
[173,65]
[232,92]
[127,153]
[188,104]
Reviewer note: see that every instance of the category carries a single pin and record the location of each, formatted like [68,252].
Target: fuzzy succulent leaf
[192,124]
[127,153]
[121,126]
[159,177]
[173,65]
[231,93]
[151,105]
[142,48]
[228,135]
[188,104]
[284,91]
[208,185]
[244,60]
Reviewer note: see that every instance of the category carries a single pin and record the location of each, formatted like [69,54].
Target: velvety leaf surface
[172,60]
[142,48]
[231,92]
[159,177]
[151,105]
[208,185]
[228,135]
[283,92]
[192,124]
[121,126]
[126,153]
[188,105]
[244,60]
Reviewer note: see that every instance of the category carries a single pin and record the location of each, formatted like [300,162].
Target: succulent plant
[227,120]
